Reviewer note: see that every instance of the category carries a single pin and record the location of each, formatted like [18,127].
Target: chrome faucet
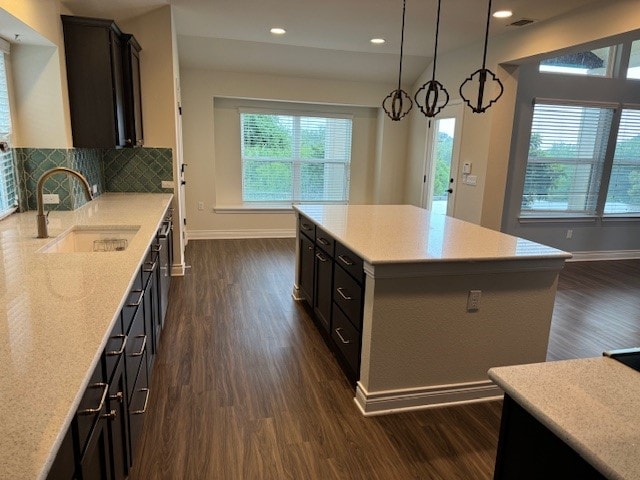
[43,219]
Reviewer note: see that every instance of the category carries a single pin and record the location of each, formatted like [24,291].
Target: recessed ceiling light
[278,31]
[377,41]
[503,14]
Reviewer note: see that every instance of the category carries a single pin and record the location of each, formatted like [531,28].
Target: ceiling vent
[522,22]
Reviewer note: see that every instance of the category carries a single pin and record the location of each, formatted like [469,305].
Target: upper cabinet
[103,75]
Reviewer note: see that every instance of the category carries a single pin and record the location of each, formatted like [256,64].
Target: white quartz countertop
[592,404]
[408,234]
[56,312]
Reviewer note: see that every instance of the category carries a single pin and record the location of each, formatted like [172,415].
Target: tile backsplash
[111,170]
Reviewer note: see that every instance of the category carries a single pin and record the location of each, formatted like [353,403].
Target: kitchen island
[434,301]
[57,311]
[569,419]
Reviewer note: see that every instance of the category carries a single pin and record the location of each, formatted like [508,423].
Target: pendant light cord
[404,6]
[435,50]
[486,38]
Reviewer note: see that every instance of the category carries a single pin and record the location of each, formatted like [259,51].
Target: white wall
[160,79]
[486,137]
[200,87]
[41,110]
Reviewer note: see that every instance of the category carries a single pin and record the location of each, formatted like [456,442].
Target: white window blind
[566,156]
[295,158]
[8,192]
[623,195]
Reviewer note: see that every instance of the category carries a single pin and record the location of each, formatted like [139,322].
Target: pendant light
[398,103]
[433,90]
[481,76]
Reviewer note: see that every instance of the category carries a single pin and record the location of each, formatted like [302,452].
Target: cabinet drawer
[131,306]
[307,227]
[114,349]
[138,408]
[351,262]
[92,405]
[347,294]
[325,241]
[347,340]
[135,349]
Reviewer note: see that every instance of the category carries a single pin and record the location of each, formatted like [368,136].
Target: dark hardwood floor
[245,388]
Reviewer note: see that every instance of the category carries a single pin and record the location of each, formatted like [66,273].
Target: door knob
[450,190]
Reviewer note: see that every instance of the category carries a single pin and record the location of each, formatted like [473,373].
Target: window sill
[559,219]
[621,218]
[248,208]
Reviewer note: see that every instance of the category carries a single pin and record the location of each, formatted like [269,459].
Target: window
[595,62]
[634,61]
[295,158]
[623,196]
[567,149]
[8,193]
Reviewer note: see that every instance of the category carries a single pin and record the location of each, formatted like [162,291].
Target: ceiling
[327,39]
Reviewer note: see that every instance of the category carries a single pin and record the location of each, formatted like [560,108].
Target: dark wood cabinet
[64,465]
[103,78]
[307,268]
[528,450]
[331,279]
[323,288]
[132,91]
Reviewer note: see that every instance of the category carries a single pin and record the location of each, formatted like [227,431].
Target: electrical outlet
[466,168]
[473,301]
[569,233]
[200,205]
[167,184]
[53,198]
[94,189]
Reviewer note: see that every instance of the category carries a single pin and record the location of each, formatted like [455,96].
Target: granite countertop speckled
[408,234]
[592,404]
[57,310]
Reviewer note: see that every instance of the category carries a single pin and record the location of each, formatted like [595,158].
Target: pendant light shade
[480,77]
[398,103]
[432,97]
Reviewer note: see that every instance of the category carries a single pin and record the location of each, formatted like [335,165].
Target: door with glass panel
[441,163]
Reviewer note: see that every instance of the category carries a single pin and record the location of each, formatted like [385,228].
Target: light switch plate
[472,180]
[50,198]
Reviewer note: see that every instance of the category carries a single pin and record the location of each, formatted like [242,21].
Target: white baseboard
[395,401]
[178,269]
[605,255]
[236,234]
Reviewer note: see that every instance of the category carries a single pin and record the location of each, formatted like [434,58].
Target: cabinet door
[118,89]
[324,288]
[95,464]
[137,409]
[150,315]
[118,424]
[133,96]
[307,263]
[64,466]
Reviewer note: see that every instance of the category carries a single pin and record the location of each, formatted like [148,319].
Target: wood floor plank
[245,388]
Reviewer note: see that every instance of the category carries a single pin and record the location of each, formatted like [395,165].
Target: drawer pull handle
[151,268]
[115,353]
[144,407]
[305,226]
[346,260]
[323,241]
[342,339]
[310,247]
[91,411]
[111,415]
[321,257]
[144,344]
[138,301]
[118,396]
[340,291]
[156,248]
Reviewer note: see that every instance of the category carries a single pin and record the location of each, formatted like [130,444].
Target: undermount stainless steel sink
[92,238]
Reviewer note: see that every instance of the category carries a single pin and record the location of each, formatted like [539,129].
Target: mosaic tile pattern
[33,162]
[137,169]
